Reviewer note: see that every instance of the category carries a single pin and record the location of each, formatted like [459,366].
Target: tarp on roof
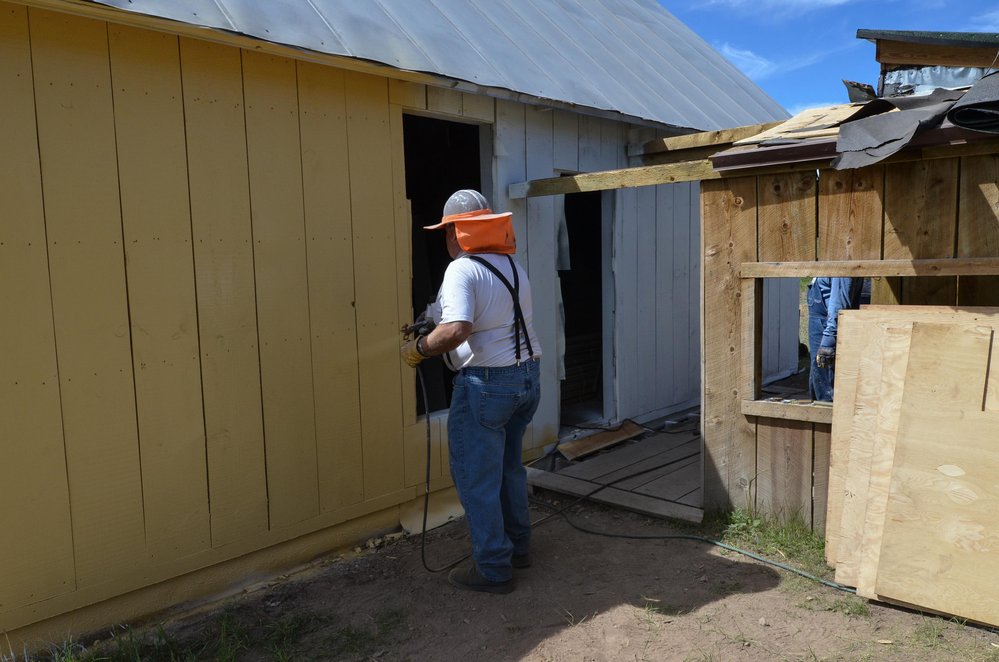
[627,56]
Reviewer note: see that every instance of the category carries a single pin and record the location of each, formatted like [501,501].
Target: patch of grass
[781,539]
[851,605]
[930,633]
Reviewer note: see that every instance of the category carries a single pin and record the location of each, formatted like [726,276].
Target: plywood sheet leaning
[855,339]
[940,548]
[894,360]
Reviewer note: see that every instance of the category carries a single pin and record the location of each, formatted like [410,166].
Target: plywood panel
[377,296]
[729,231]
[921,221]
[787,221]
[39,564]
[894,361]
[90,308]
[978,226]
[329,234]
[784,469]
[227,311]
[282,284]
[938,550]
[542,240]
[156,223]
[850,214]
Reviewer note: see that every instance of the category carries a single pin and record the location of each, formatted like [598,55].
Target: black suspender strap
[519,325]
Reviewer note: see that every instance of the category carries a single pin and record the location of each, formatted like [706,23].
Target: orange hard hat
[476,227]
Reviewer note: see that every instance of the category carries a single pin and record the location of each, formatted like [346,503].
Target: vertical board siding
[326,195]
[227,312]
[921,222]
[282,285]
[37,559]
[850,213]
[80,179]
[156,222]
[644,268]
[667,386]
[787,218]
[542,241]
[376,294]
[729,239]
[566,157]
[683,315]
[624,263]
[978,226]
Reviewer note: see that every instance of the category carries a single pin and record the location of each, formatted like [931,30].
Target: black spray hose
[578,527]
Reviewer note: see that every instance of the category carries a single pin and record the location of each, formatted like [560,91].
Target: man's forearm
[444,338]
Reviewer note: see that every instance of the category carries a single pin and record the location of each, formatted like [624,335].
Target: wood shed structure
[209,241]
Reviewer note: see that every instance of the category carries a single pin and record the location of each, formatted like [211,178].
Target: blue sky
[799,51]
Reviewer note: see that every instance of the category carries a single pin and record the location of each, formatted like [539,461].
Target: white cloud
[753,65]
[988,22]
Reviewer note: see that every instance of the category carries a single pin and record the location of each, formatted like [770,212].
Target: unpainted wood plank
[156,223]
[331,273]
[935,267]
[902,52]
[784,469]
[822,438]
[936,550]
[377,295]
[921,221]
[613,496]
[626,456]
[282,285]
[886,291]
[751,310]
[728,215]
[894,361]
[37,562]
[641,473]
[694,498]
[89,300]
[991,403]
[576,448]
[978,225]
[787,220]
[791,411]
[227,311]
[850,213]
[682,478]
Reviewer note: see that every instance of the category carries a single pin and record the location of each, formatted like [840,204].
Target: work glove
[410,354]
[825,356]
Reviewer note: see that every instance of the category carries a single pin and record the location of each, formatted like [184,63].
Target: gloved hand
[825,356]
[410,354]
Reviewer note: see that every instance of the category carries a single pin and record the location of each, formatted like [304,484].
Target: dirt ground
[586,597]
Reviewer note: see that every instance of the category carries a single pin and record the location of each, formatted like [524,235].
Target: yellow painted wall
[204,265]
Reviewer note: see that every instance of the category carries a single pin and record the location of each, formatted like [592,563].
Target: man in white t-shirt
[485,333]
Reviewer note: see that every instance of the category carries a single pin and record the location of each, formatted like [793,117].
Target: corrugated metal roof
[626,56]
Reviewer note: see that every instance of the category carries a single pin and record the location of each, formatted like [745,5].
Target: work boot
[471,579]
[521,561]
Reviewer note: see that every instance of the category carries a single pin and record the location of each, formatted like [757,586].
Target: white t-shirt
[472,293]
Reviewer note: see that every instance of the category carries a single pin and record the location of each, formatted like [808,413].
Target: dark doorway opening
[441,157]
[582,389]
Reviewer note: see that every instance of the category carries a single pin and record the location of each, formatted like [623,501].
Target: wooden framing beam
[808,412]
[959,266]
[719,138]
[906,53]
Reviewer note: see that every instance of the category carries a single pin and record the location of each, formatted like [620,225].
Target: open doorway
[441,157]
[582,389]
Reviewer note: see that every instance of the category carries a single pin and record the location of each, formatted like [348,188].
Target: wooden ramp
[659,476]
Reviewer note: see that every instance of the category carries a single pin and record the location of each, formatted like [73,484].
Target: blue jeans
[820,380]
[490,410]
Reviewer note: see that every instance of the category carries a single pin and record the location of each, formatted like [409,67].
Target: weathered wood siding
[937,208]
